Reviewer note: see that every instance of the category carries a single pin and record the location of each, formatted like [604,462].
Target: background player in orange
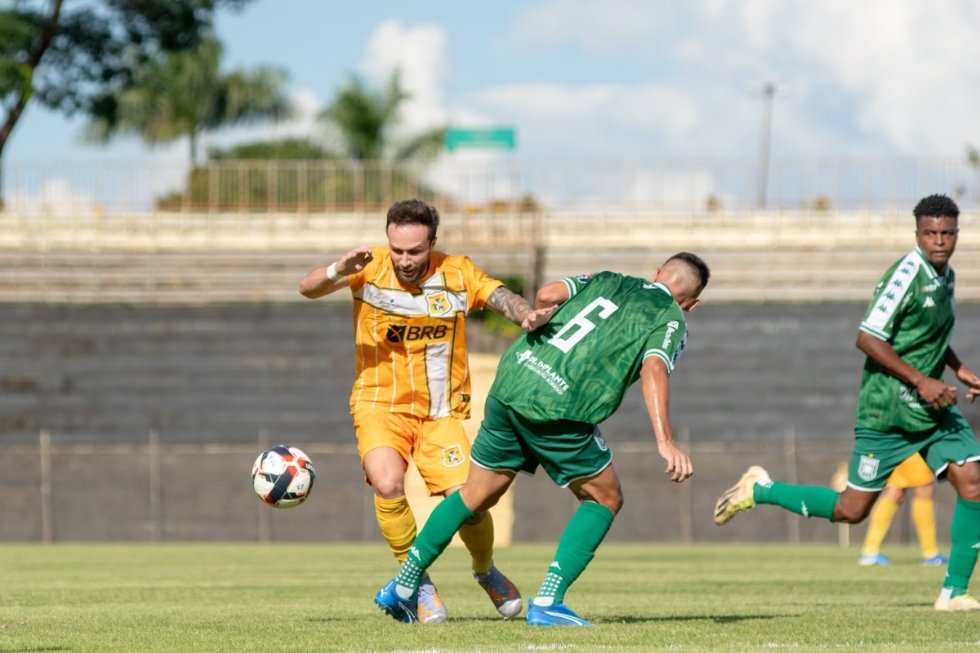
[412,385]
[913,474]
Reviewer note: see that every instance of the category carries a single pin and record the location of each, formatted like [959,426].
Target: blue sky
[610,80]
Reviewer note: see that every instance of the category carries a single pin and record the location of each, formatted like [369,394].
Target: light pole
[768,91]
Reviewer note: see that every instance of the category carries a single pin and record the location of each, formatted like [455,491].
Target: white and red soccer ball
[283,476]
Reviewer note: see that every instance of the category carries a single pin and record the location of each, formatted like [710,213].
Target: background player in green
[903,406]
[552,387]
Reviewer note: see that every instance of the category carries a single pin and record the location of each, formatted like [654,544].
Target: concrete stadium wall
[203,493]
[161,352]
[206,258]
[155,414]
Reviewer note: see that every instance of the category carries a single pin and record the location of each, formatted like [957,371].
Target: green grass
[227,597]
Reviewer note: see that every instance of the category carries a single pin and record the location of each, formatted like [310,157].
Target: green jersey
[580,364]
[913,311]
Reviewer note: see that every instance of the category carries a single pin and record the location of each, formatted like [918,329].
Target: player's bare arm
[935,392]
[546,301]
[551,295]
[509,304]
[964,374]
[655,383]
[323,280]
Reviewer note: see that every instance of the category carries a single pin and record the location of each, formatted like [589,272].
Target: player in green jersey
[553,386]
[904,406]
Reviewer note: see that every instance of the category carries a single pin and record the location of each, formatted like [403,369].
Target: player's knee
[612,500]
[969,490]
[617,504]
[965,479]
[853,506]
[849,513]
[388,487]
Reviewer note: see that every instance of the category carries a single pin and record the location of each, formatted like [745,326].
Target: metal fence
[499,183]
[201,492]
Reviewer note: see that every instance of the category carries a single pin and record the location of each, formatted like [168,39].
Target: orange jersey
[410,341]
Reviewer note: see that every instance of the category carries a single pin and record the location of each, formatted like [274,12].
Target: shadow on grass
[621,619]
[715,618]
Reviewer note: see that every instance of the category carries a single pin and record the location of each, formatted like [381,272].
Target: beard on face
[408,277]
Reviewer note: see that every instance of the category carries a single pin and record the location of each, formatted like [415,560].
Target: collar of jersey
[928,266]
[657,284]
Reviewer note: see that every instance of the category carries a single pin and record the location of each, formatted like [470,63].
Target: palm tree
[366,118]
[185,94]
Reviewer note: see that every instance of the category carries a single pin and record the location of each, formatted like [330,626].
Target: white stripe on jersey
[662,355]
[404,303]
[437,377]
[894,290]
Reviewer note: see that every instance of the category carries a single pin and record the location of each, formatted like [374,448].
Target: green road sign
[492,137]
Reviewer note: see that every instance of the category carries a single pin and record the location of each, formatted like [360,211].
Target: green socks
[806,500]
[442,524]
[965,537]
[583,534]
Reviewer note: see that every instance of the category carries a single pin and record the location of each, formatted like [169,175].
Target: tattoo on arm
[509,304]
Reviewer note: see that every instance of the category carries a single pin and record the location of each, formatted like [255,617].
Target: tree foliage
[186,93]
[74,57]
[287,149]
[366,121]
[369,169]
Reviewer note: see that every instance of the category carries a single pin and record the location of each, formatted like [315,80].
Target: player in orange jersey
[412,385]
[915,475]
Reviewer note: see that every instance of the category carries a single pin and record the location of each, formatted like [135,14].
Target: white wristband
[332,273]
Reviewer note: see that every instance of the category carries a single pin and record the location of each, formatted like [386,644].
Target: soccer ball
[283,476]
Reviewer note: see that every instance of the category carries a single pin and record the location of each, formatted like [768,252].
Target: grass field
[227,597]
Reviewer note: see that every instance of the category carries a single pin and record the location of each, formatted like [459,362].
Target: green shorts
[877,454]
[567,450]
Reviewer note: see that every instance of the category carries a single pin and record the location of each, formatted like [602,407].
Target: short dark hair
[697,264]
[414,212]
[936,206]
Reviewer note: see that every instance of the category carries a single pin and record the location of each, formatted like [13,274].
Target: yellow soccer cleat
[961,603]
[739,497]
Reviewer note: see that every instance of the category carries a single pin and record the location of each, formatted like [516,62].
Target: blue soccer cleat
[874,560]
[558,614]
[937,560]
[399,609]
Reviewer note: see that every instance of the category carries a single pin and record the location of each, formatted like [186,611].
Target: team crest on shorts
[452,456]
[868,468]
[599,440]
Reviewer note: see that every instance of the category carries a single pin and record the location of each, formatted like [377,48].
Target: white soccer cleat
[961,603]
[739,497]
[431,609]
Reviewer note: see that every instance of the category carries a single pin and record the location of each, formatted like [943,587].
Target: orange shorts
[912,472]
[439,447]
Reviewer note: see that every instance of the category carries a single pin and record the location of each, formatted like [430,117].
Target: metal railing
[498,184]
[153,491]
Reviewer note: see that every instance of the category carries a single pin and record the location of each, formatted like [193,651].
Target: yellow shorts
[439,447]
[912,472]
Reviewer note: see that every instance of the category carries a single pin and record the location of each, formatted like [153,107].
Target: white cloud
[644,121]
[884,77]
[420,53]
[594,25]
[910,67]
